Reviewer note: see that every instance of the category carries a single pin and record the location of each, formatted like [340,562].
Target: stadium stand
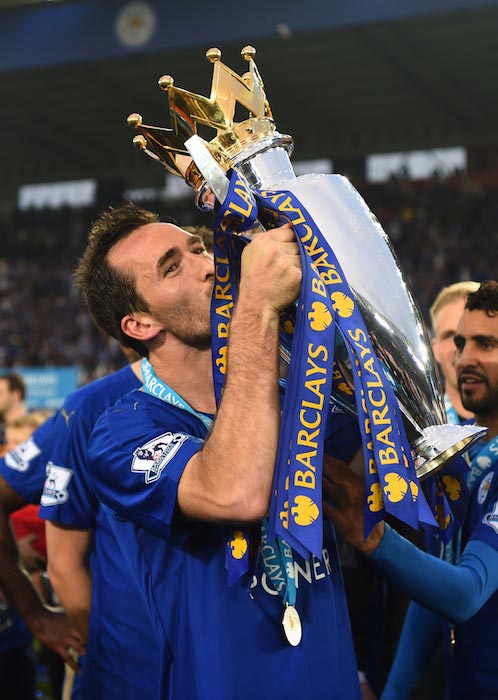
[441,229]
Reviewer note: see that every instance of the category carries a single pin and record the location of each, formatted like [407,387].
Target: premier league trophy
[260,157]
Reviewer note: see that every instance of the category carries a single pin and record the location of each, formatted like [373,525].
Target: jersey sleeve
[68,496]
[420,638]
[136,465]
[454,592]
[24,467]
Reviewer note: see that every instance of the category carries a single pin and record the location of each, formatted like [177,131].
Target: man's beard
[191,326]
[198,341]
[483,403]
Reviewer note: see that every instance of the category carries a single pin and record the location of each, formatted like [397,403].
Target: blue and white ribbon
[326,302]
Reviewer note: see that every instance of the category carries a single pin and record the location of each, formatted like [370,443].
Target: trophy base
[439,443]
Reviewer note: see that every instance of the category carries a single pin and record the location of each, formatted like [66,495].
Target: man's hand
[344,497]
[271,268]
[54,630]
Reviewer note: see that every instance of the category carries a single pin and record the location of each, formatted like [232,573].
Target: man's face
[476,361]
[174,274]
[445,326]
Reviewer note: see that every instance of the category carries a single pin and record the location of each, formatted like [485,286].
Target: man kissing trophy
[355,338]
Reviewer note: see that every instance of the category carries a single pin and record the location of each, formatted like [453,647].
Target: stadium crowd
[441,230]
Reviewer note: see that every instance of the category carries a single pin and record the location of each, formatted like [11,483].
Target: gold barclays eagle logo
[320,317]
[343,304]
[397,487]
[238,545]
[221,360]
[375,500]
[305,512]
[442,520]
[452,487]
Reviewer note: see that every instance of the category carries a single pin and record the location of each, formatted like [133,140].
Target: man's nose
[209,267]
[466,357]
[204,266]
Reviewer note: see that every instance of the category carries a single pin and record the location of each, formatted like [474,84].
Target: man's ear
[140,327]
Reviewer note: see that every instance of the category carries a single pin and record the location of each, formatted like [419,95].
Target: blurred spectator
[12,395]
[19,430]
[441,230]
[12,405]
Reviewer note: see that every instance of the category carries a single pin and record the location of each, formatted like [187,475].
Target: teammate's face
[174,274]
[476,361]
[443,345]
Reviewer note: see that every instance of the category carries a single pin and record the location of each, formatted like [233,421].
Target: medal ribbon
[446,491]
[277,562]
[447,495]
[326,299]
[391,481]
[155,386]
[238,213]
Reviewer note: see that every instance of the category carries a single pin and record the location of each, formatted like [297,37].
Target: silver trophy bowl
[390,313]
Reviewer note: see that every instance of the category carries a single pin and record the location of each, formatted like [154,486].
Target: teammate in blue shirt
[464,592]
[178,484]
[51,627]
[53,466]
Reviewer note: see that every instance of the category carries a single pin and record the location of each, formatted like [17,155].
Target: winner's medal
[292,625]
[277,562]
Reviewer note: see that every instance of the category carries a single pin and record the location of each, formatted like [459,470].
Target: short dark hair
[109,293]
[484,299]
[15,383]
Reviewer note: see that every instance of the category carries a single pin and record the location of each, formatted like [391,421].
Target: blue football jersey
[24,467]
[52,467]
[472,670]
[216,641]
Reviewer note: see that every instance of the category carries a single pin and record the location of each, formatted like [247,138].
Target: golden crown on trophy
[188,110]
